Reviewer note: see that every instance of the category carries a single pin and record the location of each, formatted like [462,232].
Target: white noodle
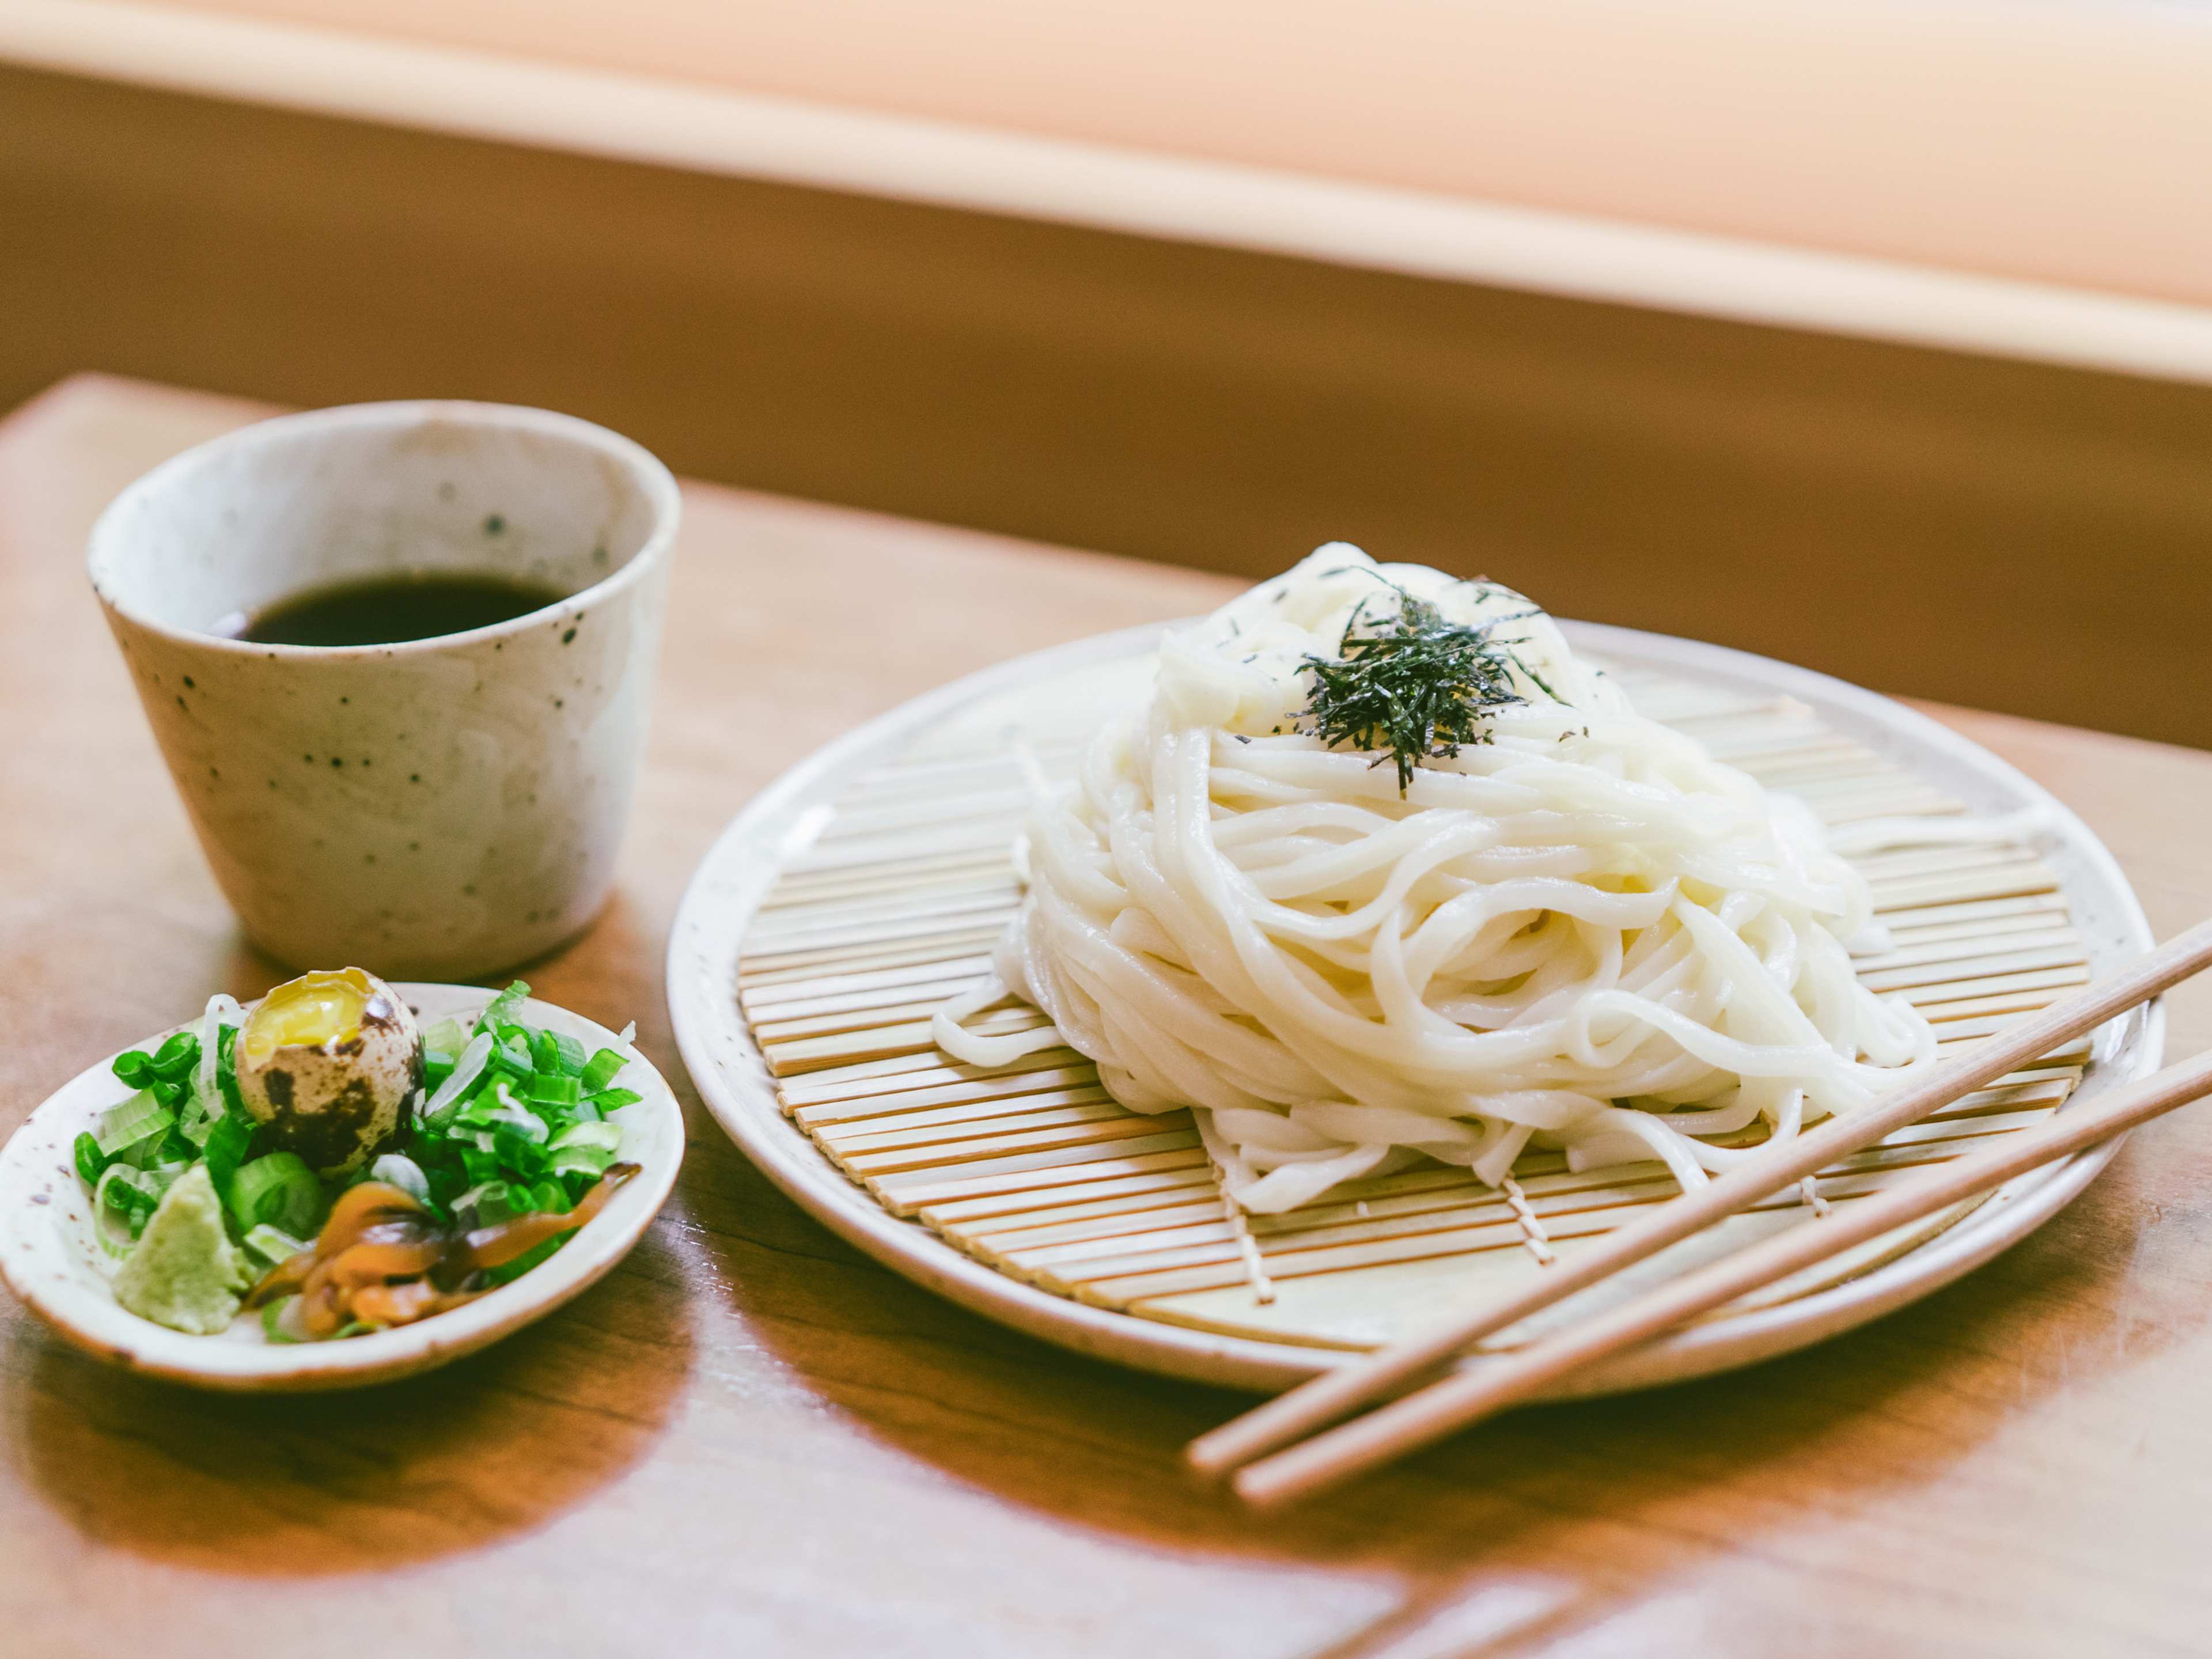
[1584,933]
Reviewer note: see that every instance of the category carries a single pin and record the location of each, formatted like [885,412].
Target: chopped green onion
[175,1059]
[514,1123]
[605,1067]
[511,1114]
[605,1136]
[174,1147]
[492,1201]
[578,1160]
[478,1110]
[271,1316]
[447,1038]
[529,1259]
[124,1189]
[500,1010]
[117,1177]
[131,1194]
[136,1119]
[225,1149]
[272,1244]
[526,1157]
[355,1328]
[197,1123]
[91,1162]
[147,1153]
[552,1088]
[279,1190]
[213,1048]
[398,1169]
[466,1070]
[512,1056]
[227,1071]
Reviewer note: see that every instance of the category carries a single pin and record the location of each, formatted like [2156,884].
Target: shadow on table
[1541,1524]
[283,1485]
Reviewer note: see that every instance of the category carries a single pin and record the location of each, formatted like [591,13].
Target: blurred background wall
[2028,529]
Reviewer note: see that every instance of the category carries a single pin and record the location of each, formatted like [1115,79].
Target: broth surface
[386,610]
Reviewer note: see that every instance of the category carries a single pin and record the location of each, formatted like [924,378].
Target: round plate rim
[715,1046]
[97,1325]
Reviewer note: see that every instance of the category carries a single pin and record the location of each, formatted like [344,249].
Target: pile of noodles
[1583,933]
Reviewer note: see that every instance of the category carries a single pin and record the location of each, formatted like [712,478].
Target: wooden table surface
[750,1439]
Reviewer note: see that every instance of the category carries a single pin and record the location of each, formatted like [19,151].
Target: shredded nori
[1413,686]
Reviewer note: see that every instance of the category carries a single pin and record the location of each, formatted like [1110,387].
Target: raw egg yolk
[306,1013]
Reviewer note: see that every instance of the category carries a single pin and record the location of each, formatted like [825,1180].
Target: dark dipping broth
[386,610]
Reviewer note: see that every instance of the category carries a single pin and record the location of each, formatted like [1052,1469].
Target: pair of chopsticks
[1480,1390]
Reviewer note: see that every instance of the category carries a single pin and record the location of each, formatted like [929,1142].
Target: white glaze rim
[644,468]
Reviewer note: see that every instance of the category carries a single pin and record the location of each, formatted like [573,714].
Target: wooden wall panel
[2017,537]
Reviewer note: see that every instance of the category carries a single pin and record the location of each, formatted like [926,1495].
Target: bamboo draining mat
[893,904]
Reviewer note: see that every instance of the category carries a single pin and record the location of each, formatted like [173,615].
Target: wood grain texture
[751,1440]
[1202,406]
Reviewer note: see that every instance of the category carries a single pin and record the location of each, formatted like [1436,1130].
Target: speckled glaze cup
[430,809]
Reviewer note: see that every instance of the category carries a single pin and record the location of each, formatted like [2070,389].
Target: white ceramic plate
[50,1258]
[719,1052]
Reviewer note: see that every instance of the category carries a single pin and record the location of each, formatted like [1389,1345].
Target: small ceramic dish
[50,1258]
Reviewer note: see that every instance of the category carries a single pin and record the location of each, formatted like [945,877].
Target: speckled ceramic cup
[430,809]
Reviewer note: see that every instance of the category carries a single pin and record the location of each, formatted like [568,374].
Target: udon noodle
[1578,931]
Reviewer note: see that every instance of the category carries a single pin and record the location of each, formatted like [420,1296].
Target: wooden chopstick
[1335,1393]
[1492,1385]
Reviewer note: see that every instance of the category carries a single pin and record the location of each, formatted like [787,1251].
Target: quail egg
[329,1061]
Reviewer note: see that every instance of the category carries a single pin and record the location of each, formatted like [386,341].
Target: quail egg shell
[329,1061]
